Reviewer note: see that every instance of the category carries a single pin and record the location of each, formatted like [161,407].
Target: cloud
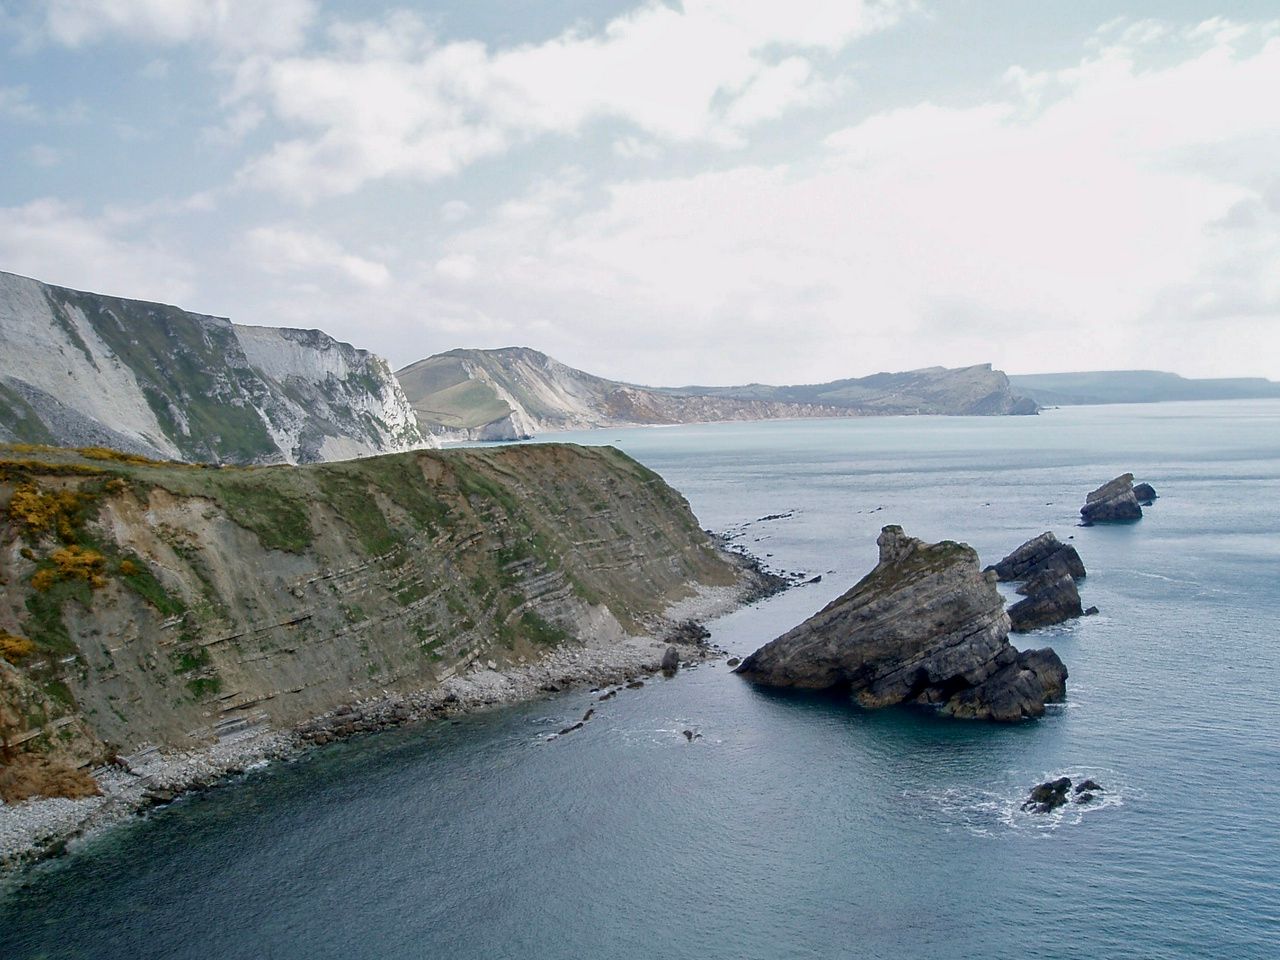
[233,25]
[53,241]
[1121,212]
[15,103]
[43,155]
[387,101]
[285,250]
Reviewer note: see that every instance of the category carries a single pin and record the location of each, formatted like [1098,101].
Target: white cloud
[235,25]
[43,155]
[454,211]
[54,242]
[461,267]
[286,250]
[387,101]
[1112,214]
[15,103]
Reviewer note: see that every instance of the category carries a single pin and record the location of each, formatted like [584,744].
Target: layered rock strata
[1038,555]
[164,606]
[1113,502]
[1049,570]
[926,626]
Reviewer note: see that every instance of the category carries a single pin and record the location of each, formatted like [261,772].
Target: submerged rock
[1113,502]
[1052,598]
[1042,554]
[925,626]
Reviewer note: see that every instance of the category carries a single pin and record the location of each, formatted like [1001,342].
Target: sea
[794,826]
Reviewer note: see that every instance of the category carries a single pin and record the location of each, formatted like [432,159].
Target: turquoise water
[797,827]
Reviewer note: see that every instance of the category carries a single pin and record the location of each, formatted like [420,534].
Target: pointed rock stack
[925,626]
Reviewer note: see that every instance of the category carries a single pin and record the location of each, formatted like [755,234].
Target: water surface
[798,826]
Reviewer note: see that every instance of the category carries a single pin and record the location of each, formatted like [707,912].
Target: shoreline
[40,829]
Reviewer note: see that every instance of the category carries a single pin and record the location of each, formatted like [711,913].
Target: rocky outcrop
[515,392]
[1052,597]
[1038,555]
[82,369]
[179,606]
[1049,569]
[1052,794]
[1145,494]
[925,626]
[1113,502]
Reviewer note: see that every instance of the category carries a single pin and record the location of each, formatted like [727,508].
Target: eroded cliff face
[156,604]
[515,392]
[81,369]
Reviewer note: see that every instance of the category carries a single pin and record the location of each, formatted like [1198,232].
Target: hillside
[516,391]
[82,369]
[168,605]
[1136,386]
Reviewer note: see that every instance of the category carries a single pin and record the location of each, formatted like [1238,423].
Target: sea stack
[1049,570]
[1113,502]
[926,626]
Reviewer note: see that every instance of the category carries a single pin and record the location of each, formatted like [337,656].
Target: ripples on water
[798,826]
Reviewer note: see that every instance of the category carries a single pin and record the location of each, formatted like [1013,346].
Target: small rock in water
[1048,796]
[734,661]
[1084,785]
[635,684]
[587,716]
[1090,611]
[576,726]
[609,696]
[1084,798]
[688,735]
[670,662]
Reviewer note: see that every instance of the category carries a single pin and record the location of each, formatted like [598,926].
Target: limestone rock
[1113,502]
[1038,555]
[925,626]
[1051,598]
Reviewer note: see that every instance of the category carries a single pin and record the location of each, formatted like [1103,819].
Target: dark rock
[734,661]
[576,726]
[1015,691]
[1113,502]
[1093,785]
[817,579]
[670,662]
[1090,611]
[635,684]
[608,696]
[925,626]
[688,633]
[587,716]
[1145,494]
[1042,554]
[688,735]
[1083,797]
[1048,796]
[1054,600]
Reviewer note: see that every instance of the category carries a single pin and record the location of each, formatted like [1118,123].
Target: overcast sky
[717,191]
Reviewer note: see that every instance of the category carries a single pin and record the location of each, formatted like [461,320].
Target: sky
[713,191]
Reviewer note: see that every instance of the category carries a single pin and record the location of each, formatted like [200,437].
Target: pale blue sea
[798,826]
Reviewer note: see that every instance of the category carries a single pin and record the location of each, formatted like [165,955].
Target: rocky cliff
[168,605]
[81,369]
[515,392]
[925,626]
